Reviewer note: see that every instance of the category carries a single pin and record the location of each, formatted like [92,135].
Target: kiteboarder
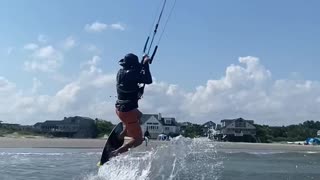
[129,92]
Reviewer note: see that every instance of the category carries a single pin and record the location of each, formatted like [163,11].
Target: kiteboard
[113,143]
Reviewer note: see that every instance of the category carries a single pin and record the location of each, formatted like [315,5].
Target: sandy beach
[6,142]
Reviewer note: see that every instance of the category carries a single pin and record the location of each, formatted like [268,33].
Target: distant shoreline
[7,142]
[240,146]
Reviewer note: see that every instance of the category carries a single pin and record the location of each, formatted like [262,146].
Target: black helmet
[129,60]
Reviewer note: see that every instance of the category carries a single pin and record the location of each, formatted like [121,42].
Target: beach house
[74,127]
[207,127]
[156,125]
[238,130]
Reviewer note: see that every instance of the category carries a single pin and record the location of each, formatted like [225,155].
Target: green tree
[103,127]
[192,131]
[296,132]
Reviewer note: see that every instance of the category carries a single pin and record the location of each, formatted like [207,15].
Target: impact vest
[127,89]
[127,84]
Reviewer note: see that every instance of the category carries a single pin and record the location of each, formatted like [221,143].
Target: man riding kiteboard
[129,92]
[131,80]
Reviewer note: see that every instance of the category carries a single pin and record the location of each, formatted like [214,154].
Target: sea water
[181,158]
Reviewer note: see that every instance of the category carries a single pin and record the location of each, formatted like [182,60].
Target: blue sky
[202,40]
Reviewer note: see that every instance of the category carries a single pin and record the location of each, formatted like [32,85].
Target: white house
[156,125]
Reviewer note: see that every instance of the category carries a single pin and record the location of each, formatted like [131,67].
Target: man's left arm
[145,75]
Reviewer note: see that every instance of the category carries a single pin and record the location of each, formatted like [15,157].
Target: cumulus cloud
[65,97]
[99,27]
[87,95]
[44,59]
[247,89]
[5,85]
[43,38]
[118,26]
[69,43]
[92,65]
[95,27]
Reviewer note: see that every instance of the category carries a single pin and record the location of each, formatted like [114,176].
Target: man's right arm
[145,76]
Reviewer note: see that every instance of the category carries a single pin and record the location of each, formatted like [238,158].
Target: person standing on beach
[129,92]
[147,136]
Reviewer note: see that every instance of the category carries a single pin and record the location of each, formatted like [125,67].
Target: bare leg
[132,143]
[124,148]
[132,130]
[146,140]
[123,133]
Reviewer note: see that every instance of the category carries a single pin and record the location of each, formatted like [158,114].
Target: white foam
[176,159]
[312,152]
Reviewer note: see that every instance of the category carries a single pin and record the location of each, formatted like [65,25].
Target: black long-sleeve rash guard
[127,85]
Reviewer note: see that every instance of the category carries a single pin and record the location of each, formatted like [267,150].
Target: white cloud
[246,90]
[45,52]
[43,38]
[92,65]
[99,27]
[69,43]
[92,48]
[31,46]
[64,97]
[94,61]
[95,27]
[5,85]
[118,26]
[44,59]
[86,95]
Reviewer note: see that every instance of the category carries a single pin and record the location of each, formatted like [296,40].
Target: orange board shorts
[131,120]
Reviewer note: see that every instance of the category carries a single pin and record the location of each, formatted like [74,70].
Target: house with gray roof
[207,127]
[238,129]
[156,125]
[74,127]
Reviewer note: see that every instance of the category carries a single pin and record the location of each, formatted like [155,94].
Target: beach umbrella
[316,141]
